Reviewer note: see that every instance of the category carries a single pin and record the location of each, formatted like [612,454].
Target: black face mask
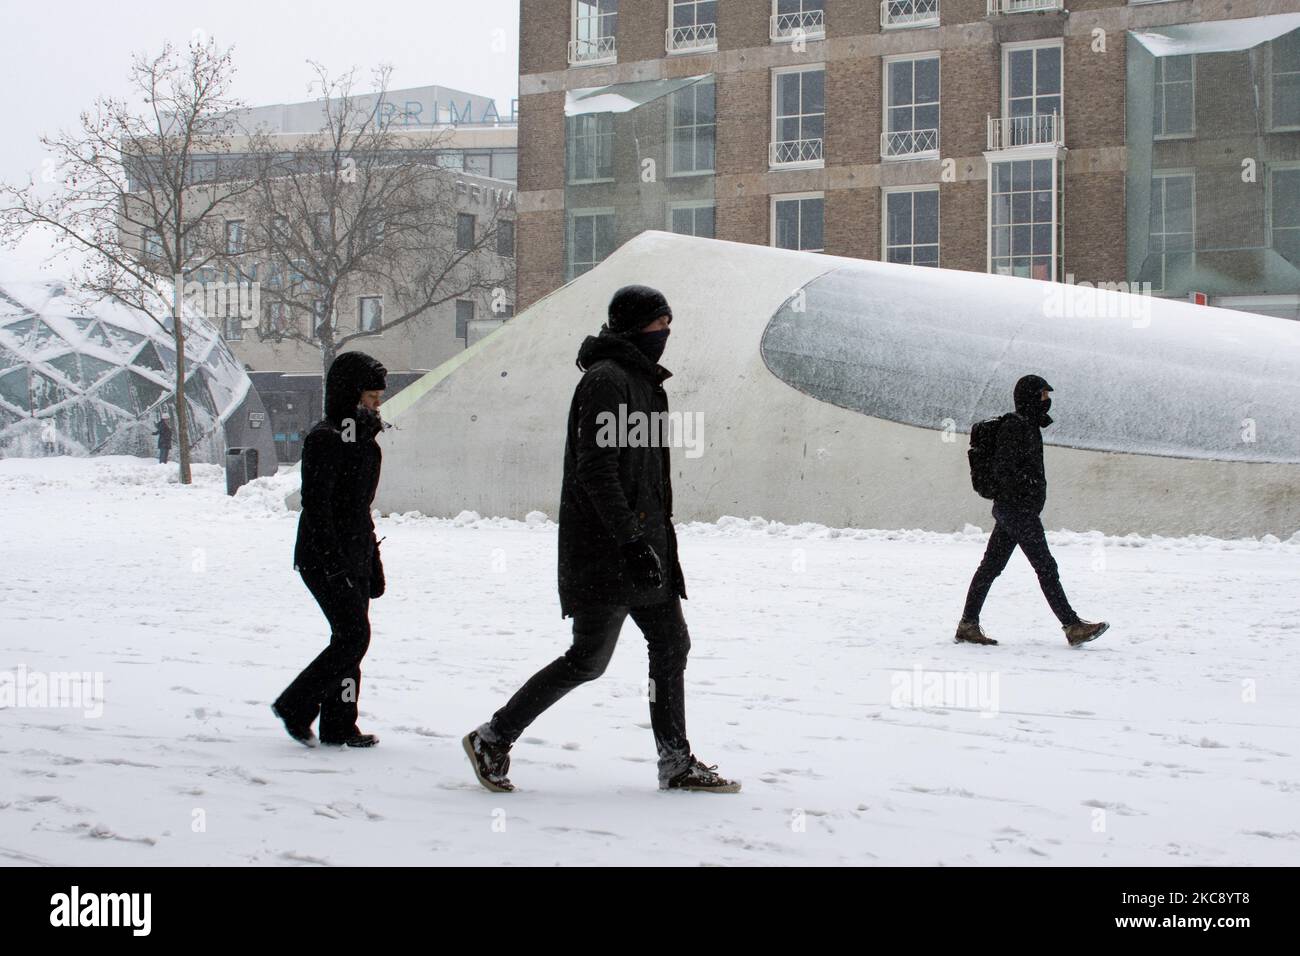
[651,344]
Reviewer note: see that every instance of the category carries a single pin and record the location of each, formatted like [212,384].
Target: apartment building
[1152,142]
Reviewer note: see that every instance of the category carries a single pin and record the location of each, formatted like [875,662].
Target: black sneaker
[969,632]
[356,740]
[299,732]
[698,776]
[491,762]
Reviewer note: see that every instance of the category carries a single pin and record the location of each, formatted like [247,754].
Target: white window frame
[885,193]
[1005,96]
[672,130]
[572,215]
[915,14]
[789,197]
[361,301]
[1291,165]
[887,61]
[697,39]
[818,163]
[242,224]
[606,45]
[1029,155]
[595,137]
[1191,134]
[692,204]
[1268,99]
[1181,172]
[781,30]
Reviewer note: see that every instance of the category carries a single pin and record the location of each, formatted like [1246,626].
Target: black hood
[1028,399]
[351,374]
[612,345]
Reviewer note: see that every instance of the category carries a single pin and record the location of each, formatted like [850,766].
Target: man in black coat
[164,432]
[1021,494]
[617,547]
[336,552]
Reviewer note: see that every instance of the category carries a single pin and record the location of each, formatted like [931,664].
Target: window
[279,230]
[464,231]
[692,130]
[318,317]
[1173,197]
[1031,85]
[277,317]
[693,26]
[464,316]
[450,158]
[909,13]
[506,238]
[234,327]
[797,222]
[798,116]
[480,164]
[912,226]
[595,24]
[1175,111]
[1284,212]
[370,313]
[1023,238]
[591,147]
[203,170]
[1284,82]
[505,165]
[591,239]
[234,237]
[911,107]
[691,219]
[792,19]
[153,247]
[375,229]
[321,231]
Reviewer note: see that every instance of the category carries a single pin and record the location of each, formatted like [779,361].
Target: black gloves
[376,575]
[643,567]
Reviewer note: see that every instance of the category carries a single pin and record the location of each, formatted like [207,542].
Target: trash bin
[241,468]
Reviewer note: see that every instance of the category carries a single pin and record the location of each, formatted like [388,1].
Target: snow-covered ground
[816,658]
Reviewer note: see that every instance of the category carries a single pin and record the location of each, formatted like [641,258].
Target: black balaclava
[632,308]
[1029,401]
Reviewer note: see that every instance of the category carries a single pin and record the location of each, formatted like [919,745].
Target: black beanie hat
[636,306]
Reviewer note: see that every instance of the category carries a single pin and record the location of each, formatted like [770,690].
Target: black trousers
[331,684]
[162,454]
[1021,528]
[595,634]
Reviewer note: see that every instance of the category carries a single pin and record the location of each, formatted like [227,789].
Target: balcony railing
[795,152]
[699,38]
[810,24]
[594,50]
[909,13]
[999,8]
[1008,132]
[909,142]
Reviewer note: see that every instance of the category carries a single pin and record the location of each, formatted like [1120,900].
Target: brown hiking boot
[969,632]
[1081,632]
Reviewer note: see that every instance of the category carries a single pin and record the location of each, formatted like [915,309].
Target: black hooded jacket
[614,492]
[340,472]
[1018,459]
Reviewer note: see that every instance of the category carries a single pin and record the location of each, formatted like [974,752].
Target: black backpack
[983,446]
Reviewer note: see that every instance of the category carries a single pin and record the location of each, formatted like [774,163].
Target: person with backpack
[164,432]
[1006,459]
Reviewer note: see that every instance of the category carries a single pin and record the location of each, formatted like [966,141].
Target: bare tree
[129,197]
[363,206]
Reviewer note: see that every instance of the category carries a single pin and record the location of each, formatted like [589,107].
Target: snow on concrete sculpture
[81,378]
[841,391]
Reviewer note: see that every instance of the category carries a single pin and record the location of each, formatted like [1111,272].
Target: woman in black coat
[336,551]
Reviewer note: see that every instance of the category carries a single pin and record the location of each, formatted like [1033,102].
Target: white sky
[56,56]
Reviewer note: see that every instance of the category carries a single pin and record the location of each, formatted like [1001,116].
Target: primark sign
[419,111]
